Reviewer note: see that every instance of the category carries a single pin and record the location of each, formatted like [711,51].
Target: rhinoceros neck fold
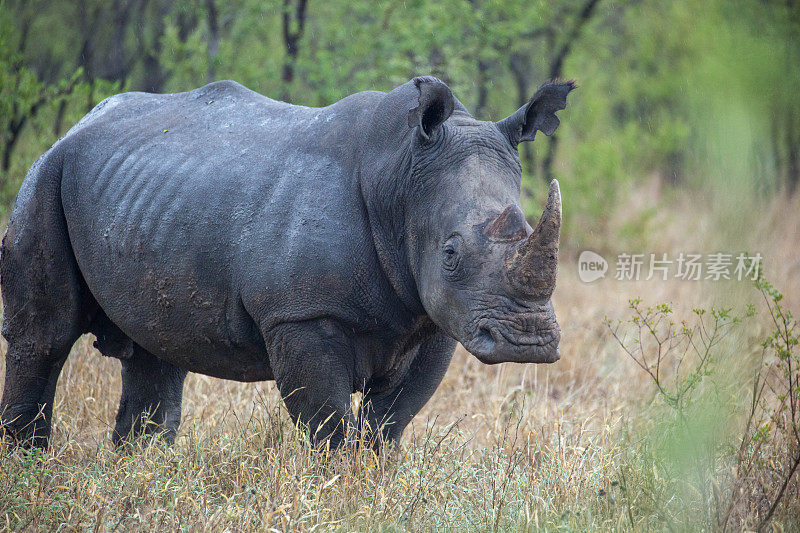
[384,201]
[384,171]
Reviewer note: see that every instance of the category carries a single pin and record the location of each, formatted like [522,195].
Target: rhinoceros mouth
[491,346]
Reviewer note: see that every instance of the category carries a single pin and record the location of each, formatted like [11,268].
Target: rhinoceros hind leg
[30,387]
[152,391]
[45,304]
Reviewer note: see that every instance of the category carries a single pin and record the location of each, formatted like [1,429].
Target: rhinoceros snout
[492,345]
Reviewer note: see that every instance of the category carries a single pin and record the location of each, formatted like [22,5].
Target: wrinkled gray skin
[334,250]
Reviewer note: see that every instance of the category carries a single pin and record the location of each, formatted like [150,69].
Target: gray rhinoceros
[333,250]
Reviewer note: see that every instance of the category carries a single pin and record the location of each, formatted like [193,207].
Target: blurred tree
[556,70]
[656,78]
[785,127]
[293,23]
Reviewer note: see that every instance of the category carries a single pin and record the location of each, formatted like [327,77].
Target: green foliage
[718,457]
[698,93]
[774,422]
[677,356]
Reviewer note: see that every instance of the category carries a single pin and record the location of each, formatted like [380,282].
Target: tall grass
[585,444]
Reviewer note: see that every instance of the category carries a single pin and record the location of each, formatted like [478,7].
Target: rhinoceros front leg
[388,411]
[313,363]
[152,392]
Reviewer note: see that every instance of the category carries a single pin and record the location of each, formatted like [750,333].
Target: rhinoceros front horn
[533,266]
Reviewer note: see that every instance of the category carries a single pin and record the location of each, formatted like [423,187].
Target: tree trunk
[154,76]
[117,66]
[62,108]
[547,162]
[519,65]
[8,147]
[292,33]
[556,66]
[792,155]
[213,40]
[557,63]
[483,88]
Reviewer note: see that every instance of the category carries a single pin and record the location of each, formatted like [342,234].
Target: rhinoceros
[334,250]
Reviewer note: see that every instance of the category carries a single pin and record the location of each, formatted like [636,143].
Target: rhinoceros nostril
[484,341]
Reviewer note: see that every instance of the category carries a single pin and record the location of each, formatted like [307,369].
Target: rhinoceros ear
[436,103]
[538,114]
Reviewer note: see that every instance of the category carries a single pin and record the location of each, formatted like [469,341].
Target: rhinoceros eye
[451,255]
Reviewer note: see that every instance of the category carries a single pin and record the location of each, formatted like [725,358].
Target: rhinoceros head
[481,272]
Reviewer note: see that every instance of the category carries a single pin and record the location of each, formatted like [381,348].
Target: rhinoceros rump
[334,250]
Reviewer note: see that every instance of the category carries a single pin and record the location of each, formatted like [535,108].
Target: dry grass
[511,447]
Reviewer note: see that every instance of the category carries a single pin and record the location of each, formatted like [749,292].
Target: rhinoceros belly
[159,255]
